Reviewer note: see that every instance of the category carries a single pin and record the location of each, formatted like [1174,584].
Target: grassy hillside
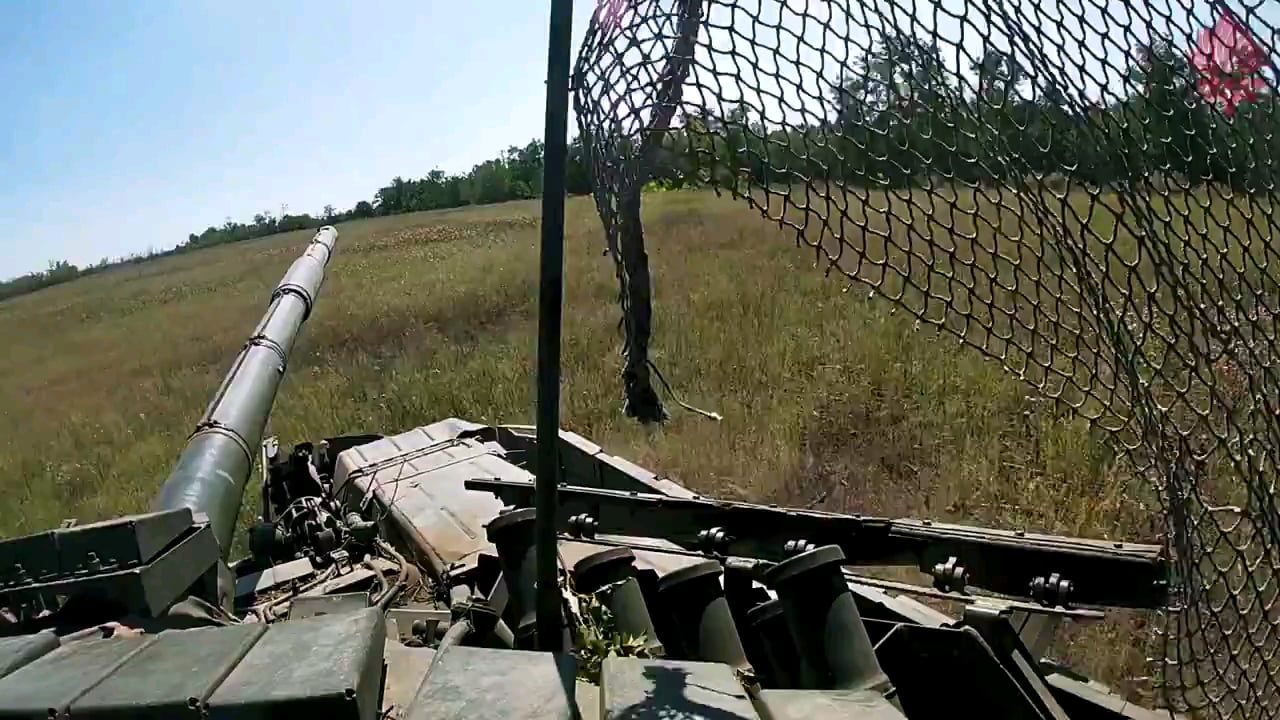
[828,399]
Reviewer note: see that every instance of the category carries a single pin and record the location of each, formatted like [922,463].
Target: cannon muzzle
[210,475]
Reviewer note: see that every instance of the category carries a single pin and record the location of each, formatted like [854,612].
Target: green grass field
[829,399]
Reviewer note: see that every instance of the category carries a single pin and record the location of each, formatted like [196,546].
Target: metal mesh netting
[1084,190]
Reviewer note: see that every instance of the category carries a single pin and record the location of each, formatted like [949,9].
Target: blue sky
[128,124]
[131,124]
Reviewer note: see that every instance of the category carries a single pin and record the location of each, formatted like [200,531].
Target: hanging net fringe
[1083,190]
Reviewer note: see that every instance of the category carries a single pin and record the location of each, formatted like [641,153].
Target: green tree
[393,198]
[489,182]
[1167,125]
[577,176]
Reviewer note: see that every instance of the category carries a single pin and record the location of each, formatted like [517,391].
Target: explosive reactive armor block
[328,666]
[481,683]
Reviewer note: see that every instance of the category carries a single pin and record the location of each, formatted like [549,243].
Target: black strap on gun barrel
[1052,569]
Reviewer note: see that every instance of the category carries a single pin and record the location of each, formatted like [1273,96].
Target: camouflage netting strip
[1081,189]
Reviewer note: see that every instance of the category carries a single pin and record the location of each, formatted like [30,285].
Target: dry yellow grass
[828,398]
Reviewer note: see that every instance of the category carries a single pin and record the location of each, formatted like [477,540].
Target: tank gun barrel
[210,474]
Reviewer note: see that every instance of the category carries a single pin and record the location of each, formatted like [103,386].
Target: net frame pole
[550,298]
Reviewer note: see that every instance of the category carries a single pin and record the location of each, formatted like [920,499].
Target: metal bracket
[1003,562]
[582,526]
[1051,590]
[950,576]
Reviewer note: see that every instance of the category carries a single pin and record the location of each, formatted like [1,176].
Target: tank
[463,569]
[396,576]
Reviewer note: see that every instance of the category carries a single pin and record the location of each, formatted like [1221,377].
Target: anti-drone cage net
[1083,190]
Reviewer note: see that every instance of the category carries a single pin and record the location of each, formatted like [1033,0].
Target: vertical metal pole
[550,296]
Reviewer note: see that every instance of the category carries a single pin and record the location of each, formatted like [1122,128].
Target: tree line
[515,175]
[897,118]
